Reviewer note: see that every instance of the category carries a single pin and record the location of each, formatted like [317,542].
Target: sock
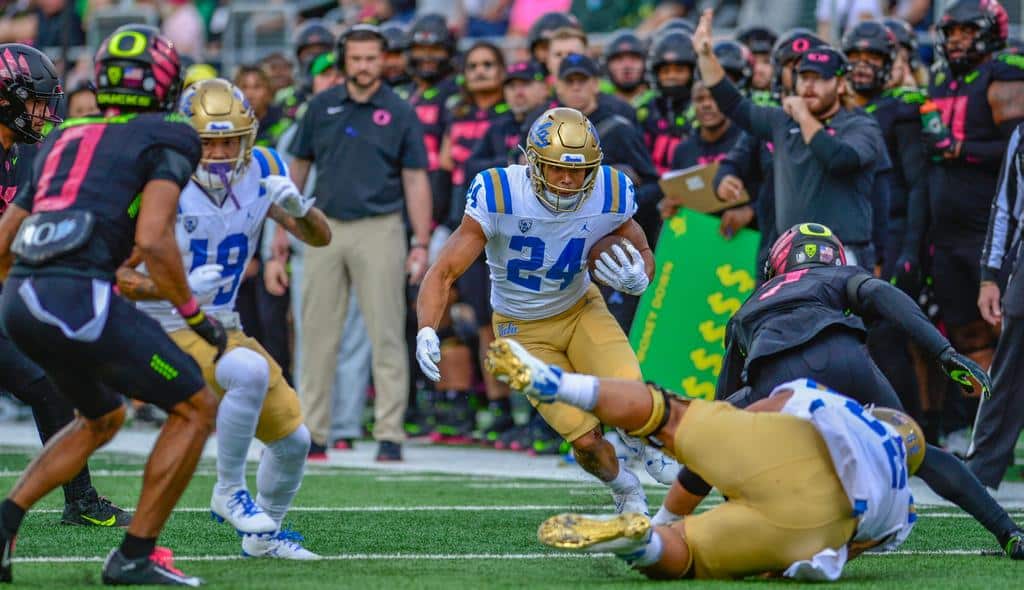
[280,473]
[625,481]
[578,390]
[135,547]
[244,375]
[11,516]
[79,487]
[650,554]
[665,516]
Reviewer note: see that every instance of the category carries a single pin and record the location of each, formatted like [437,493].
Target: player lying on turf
[812,477]
[220,217]
[537,223]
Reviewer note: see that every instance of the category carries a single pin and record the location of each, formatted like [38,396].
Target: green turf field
[388,530]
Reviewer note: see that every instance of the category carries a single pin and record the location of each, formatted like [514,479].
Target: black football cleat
[6,553]
[155,570]
[95,510]
[1014,546]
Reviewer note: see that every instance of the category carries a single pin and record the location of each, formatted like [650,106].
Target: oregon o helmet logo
[815,229]
[139,42]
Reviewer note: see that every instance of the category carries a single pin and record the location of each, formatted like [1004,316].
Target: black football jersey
[101,165]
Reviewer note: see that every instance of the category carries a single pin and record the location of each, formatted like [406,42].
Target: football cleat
[286,544]
[95,510]
[510,363]
[242,512]
[157,569]
[658,465]
[6,553]
[621,534]
[633,501]
[1015,545]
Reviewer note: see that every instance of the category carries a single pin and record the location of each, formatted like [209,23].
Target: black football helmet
[673,47]
[993,29]
[872,37]
[736,60]
[804,245]
[431,30]
[757,39]
[137,68]
[26,74]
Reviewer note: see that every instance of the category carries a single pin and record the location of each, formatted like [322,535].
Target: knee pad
[293,447]
[973,337]
[241,368]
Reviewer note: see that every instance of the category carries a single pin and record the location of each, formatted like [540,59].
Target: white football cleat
[633,501]
[510,363]
[286,544]
[661,467]
[622,534]
[241,511]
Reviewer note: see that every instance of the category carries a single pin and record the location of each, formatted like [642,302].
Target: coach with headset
[367,145]
[830,162]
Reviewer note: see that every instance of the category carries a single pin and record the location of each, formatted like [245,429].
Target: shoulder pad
[1007,67]
[492,191]
[171,130]
[269,161]
[616,190]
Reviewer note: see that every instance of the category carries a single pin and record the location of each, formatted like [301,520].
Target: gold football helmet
[216,108]
[913,437]
[565,138]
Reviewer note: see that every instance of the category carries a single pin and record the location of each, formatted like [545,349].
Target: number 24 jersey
[538,258]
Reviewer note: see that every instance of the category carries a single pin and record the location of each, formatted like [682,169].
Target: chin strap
[658,418]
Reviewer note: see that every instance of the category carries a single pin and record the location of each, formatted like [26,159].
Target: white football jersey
[868,456]
[226,234]
[538,258]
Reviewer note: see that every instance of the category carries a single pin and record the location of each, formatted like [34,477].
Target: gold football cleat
[506,367]
[595,533]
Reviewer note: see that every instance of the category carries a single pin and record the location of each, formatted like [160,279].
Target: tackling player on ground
[807,491]
[537,224]
[102,186]
[221,211]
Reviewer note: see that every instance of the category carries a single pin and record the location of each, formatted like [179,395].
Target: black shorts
[129,353]
[957,273]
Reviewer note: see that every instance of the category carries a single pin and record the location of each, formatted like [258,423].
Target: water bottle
[936,134]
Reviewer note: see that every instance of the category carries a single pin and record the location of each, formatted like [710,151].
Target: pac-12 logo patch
[525,225]
[507,329]
[190,222]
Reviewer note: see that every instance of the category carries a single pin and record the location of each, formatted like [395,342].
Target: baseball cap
[574,63]
[528,71]
[826,61]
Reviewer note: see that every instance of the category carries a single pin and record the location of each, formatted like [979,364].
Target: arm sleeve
[915,171]
[1005,211]
[875,298]
[753,119]
[881,195]
[413,154]
[844,156]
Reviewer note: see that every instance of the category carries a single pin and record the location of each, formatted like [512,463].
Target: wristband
[190,308]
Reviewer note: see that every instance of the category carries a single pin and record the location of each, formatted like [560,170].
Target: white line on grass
[448,556]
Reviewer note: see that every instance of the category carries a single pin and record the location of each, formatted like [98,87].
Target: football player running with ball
[537,223]
[813,478]
[220,216]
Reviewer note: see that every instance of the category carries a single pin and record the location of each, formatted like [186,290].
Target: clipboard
[693,188]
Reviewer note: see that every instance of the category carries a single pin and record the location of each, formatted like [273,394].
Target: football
[604,245]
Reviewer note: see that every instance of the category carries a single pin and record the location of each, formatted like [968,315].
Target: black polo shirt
[360,150]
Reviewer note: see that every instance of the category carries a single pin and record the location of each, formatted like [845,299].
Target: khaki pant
[584,338]
[367,255]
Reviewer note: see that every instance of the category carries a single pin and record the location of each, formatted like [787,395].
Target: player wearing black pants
[805,322]
[19,375]
[104,192]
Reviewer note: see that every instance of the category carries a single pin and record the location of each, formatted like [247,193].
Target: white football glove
[428,353]
[287,196]
[625,272]
[206,280]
